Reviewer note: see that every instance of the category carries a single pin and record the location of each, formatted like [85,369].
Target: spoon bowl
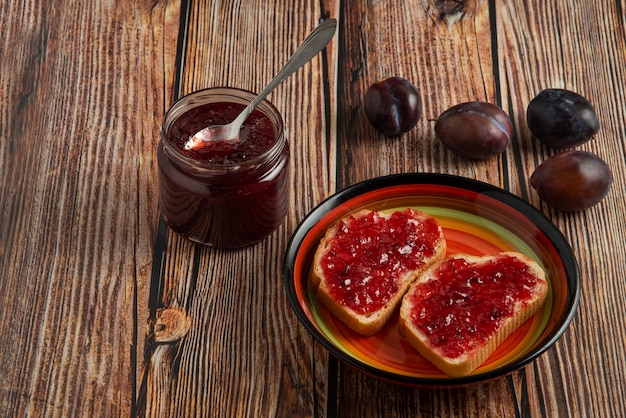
[310,47]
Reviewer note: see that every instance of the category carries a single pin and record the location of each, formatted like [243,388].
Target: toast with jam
[464,306]
[365,263]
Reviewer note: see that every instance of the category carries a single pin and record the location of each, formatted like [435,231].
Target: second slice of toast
[463,307]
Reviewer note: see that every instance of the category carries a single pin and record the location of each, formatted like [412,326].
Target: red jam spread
[255,138]
[467,304]
[368,255]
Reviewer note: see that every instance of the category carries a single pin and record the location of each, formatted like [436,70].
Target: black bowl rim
[539,219]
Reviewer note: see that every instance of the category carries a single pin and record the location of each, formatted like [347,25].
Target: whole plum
[561,118]
[572,180]
[393,106]
[475,129]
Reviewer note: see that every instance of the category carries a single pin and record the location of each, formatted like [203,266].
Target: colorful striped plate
[477,218]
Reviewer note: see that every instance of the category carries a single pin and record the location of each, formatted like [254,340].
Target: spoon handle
[310,47]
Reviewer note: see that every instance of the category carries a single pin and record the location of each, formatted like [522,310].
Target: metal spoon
[312,45]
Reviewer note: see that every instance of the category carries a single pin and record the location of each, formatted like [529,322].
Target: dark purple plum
[561,118]
[572,180]
[393,106]
[475,129]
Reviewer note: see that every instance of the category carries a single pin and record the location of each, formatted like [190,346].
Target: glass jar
[238,199]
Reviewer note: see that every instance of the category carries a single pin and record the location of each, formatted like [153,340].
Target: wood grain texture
[575,46]
[245,353]
[79,112]
[504,54]
[104,312]
[449,59]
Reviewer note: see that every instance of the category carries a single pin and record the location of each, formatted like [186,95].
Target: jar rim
[221,94]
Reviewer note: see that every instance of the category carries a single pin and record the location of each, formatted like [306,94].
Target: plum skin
[393,106]
[561,118]
[475,130]
[572,180]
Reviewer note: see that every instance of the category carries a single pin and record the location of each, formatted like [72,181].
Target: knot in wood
[450,7]
[171,325]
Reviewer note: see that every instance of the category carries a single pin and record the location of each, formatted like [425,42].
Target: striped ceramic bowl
[477,218]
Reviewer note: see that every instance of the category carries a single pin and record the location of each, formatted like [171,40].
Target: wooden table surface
[104,312]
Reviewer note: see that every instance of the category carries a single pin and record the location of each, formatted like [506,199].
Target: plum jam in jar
[228,194]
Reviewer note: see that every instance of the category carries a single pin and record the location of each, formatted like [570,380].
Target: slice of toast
[463,307]
[365,263]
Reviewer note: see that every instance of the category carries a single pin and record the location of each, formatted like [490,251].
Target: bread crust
[367,324]
[465,364]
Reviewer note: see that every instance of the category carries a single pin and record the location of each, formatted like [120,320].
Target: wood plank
[245,353]
[447,56]
[447,53]
[553,47]
[79,116]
